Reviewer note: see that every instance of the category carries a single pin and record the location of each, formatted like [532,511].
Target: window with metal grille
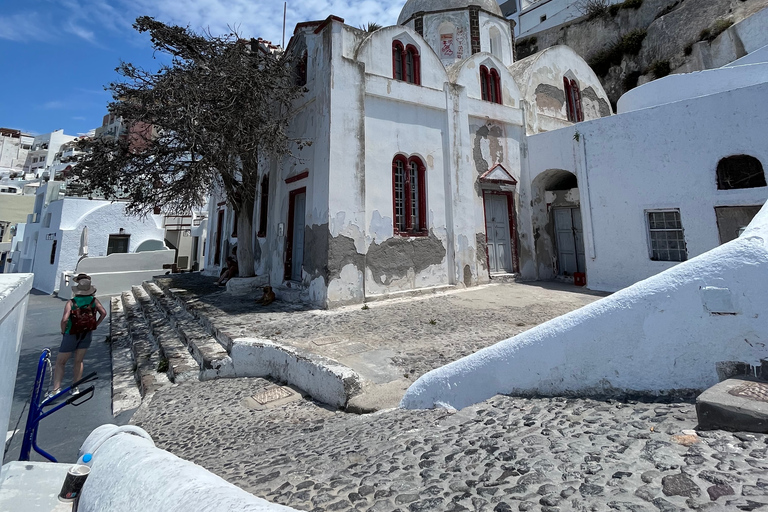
[573,100]
[666,236]
[740,171]
[408,196]
[406,63]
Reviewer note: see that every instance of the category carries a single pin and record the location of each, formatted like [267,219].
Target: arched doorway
[557,227]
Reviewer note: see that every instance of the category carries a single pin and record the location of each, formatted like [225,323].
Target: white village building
[437,162]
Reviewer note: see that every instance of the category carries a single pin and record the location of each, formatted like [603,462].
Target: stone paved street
[414,335]
[502,455]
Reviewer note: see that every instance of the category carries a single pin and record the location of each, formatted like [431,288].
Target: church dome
[413,6]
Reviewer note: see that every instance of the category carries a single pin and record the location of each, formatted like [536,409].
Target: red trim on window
[484,92]
[296,178]
[415,59]
[577,100]
[397,50]
[289,233]
[496,84]
[421,206]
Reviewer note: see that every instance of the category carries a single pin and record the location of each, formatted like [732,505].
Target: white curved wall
[686,86]
[668,332]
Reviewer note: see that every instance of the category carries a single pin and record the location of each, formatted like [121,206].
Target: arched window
[406,63]
[495,40]
[573,100]
[740,171]
[409,196]
[490,85]
[263,207]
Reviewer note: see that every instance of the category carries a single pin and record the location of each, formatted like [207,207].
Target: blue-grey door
[299,208]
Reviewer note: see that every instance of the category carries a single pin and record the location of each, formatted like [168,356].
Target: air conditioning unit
[183,262]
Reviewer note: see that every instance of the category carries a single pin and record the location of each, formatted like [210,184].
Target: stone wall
[672,32]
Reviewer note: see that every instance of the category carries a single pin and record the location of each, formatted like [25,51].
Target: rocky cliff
[632,43]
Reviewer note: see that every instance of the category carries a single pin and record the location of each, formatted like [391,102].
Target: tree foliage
[206,118]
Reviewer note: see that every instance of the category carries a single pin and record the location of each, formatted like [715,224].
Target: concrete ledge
[717,408]
[323,379]
[246,285]
[129,473]
[32,487]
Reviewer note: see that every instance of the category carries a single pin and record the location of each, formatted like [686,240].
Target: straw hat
[83,286]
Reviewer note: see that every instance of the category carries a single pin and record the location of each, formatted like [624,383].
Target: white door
[297,261]
[570,241]
[497,232]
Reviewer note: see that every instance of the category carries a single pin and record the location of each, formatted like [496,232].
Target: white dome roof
[413,6]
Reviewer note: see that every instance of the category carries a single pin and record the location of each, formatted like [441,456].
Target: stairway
[156,343]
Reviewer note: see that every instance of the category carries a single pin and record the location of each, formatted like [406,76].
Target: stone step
[736,404]
[210,354]
[146,355]
[323,379]
[182,367]
[125,393]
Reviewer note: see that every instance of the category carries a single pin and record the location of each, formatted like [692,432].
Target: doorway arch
[557,230]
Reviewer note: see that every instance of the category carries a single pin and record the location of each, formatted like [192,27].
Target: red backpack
[83,318]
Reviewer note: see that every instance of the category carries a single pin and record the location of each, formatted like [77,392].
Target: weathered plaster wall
[679,330]
[654,158]
[540,79]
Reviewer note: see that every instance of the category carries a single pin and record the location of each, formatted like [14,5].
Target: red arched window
[573,100]
[409,196]
[397,60]
[406,63]
[490,85]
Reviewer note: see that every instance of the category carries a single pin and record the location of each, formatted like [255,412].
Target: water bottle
[86,459]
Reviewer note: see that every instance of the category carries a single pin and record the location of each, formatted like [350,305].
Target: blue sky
[56,56]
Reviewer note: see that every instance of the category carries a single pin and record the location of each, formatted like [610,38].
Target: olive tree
[205,118]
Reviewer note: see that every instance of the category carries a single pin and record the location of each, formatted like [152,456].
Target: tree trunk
[245,262]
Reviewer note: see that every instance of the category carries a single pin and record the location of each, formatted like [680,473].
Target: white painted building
[418,135]
[54,239]
[678,171]
[43,151]
[14,147]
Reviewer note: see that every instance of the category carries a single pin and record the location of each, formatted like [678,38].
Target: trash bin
[579,278]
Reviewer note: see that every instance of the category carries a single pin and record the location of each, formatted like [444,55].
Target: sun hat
[83,286]
[80,276]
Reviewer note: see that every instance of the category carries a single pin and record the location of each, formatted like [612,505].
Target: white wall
[674,88]
[14,295]
[669,332]
[68,217]
[655,158]
[129,473]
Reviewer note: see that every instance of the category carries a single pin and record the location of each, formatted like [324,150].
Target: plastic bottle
[86,459]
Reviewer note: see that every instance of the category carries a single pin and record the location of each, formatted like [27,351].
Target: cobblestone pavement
[417,335]
[548,454]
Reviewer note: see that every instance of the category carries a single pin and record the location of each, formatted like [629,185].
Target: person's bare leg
[58,369]
[78,369]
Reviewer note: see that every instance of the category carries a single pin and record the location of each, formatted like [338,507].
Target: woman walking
[77,326]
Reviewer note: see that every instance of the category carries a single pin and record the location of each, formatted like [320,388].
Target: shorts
[72,342]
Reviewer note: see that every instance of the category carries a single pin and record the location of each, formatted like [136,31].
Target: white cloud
[23,27]
[97,21]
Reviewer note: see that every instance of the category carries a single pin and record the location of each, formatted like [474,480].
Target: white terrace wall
[680,330]
[129,473]
[14,295]
[663,157]
[68,217]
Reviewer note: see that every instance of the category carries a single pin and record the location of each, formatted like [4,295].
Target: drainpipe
[586,199]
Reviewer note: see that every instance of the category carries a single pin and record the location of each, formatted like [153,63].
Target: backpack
[83,318]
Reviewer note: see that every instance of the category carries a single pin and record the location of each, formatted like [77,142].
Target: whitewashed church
[438,161]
